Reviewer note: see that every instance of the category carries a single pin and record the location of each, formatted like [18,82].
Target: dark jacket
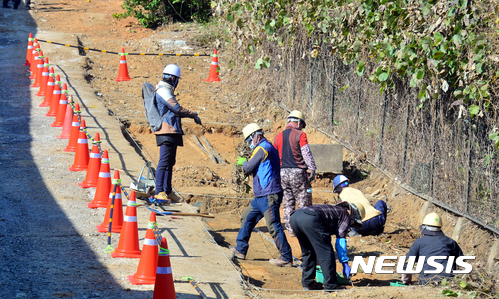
[434,244]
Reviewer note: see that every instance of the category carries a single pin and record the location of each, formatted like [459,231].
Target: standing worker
[264,165]
[432,243]
[296,158]
[313,227]
[375,219]
[169,137]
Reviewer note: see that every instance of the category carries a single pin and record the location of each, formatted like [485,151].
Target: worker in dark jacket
[296,159]
[432,243]
[313,226]
[169,137]
[264,165]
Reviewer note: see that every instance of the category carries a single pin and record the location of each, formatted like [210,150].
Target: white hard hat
[250,129]
[172,69]
[339,179]
[299,115]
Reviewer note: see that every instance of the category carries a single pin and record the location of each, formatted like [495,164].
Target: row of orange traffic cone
[154,265]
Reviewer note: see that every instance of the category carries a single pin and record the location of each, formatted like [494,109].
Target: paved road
[49,244]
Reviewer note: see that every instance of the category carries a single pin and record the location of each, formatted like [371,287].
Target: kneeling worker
[313,226]
[264,165]
[375,219]
[432,243]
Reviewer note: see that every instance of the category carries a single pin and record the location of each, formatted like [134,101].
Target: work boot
[237,254]
[5,6]
[173,197]
[161,196]
[280,263]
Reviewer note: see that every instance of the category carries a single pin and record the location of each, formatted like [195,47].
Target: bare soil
[220,107]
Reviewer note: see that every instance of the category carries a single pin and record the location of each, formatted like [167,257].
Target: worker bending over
[375,219]
[313,227]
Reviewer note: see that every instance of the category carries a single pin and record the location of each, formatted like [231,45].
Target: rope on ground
[117,53]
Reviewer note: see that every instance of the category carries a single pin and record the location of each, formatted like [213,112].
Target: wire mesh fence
[437,150]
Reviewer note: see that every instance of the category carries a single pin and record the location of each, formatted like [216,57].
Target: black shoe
[5,6]
[314,286]
[15,7]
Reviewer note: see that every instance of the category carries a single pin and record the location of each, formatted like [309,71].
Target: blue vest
[267,177]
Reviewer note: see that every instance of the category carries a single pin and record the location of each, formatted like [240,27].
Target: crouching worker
[313,226]
[375,219]
[432,243]
[264,165]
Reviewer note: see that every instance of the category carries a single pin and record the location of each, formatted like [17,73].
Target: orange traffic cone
[49,90]
[117,210]
[68,120]
[103,184]
[123,72]
[56,97]
[146,272]
[93,165]
[81,157]
[36,61]
[61,110]
[75,132]
[44,80]
[30,49]
[39,70]
[32,67]
[213,77]
[164,287]
[129,238]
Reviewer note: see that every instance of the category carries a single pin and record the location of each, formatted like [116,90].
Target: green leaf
[473,294]
[251,50]
[494,136]
[463,284]
[474,109]
[239,23]
[425,42]
[444,282]
[457,40]
[420,74]
[437,38]
[413,83]
[449,293]
[258,64]
[497,145]
[344,87]
[479,68]
[422,93]
[230,17]
[438,55]
[384,75]
[487,160]
[360,68]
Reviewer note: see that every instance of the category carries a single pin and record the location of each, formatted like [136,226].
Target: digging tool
[109,249]
[191,281]
[205,215]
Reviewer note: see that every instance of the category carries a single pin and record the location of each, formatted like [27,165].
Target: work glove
[197,120]
[311,176]
[346,270]
[406,278]
[241,160]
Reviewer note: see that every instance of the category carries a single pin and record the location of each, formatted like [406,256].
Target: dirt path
[196,177]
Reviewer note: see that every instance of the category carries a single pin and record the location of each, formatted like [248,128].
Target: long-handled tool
[109,249]
[205,215]
[191,281]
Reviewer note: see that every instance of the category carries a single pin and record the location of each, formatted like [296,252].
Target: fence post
[359,107]
[406,137]
[385,100]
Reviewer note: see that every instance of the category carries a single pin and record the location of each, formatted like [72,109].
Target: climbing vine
[448,46]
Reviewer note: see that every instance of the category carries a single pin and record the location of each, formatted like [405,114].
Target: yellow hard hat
[250,129]
[432,219]
[361,209]
[299,115]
